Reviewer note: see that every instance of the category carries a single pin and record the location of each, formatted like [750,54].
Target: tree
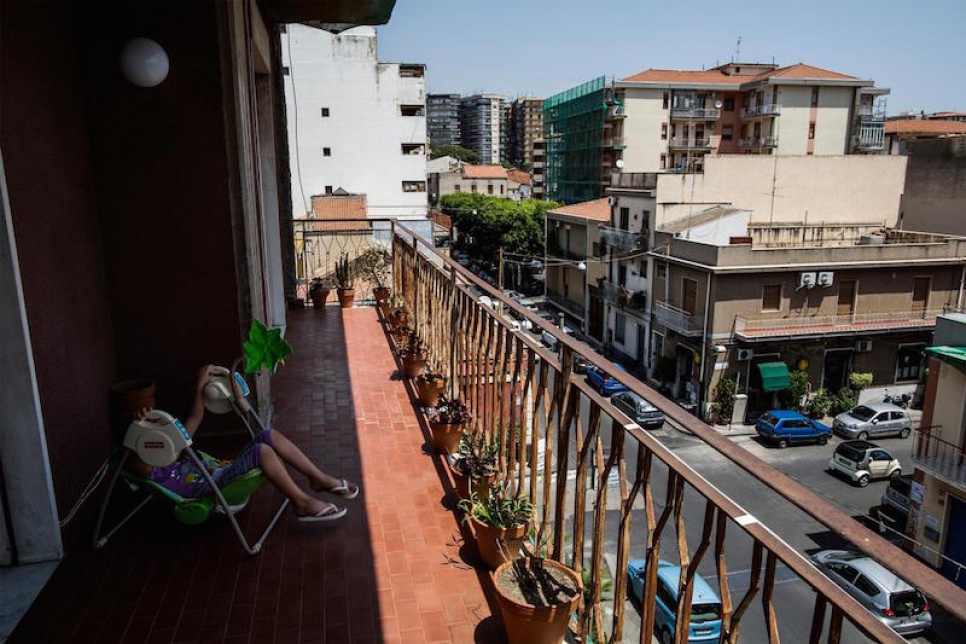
[456,151]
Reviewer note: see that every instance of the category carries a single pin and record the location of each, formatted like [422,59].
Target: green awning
[774,376]
[955,356]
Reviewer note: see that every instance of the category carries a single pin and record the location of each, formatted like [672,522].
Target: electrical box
[806,280]
[746,354]
[825,278]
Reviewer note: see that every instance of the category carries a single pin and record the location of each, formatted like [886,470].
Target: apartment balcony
[870,113]
[614,143]
[939,457]
[834,325]
[870,137]
[556,251]
[758,143]
[682,143]
[616,112]
[574,308]
[624,298]
[622,240]
[695,114]
[687,324]
[756,111]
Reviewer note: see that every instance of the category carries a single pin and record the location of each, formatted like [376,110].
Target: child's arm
[197,412]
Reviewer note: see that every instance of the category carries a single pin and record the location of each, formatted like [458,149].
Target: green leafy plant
[320,284]
[859,380]
[414,346]
[372,264]
[499,509]
[477,455]
[819,404]
[264,347]
[723,400]
[792,397]
[430,377]
[844,400]
[451,411]
[344,273]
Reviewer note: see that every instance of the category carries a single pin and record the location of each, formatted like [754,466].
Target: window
[811,130]
[328,190]
[866,586]
[622,274]
[660,270]
[620,322]
[595,249]
[411,71]
[663,131]
[771,297]
[657,348]
[325,112]
[285,70]
[846,572]
[413,148]
[666,596]
[456,188]
[663,162]
[625,216]
[474,188]
[729,104]
[501,188]
[489,188]
[411,110]
[909,362]
[414,186]
[326,152]
[667,99]
[727,132]
[814,97]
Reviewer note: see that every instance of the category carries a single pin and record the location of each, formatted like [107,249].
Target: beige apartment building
[575,271]
[671,120]
[825,298]
[524,127]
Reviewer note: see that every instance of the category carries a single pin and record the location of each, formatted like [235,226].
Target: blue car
[604,383]
[784,428]
[705,625]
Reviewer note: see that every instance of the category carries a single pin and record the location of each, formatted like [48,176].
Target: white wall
[642,129]
[833,125]
[365,130]
[792,125]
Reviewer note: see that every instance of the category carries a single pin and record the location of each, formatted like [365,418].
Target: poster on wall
[917,492]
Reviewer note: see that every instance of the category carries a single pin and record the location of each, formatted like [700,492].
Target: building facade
[899,132]
[443,119]
[483,126]
[356,123]
[524,127]
[538,163]
[490,180]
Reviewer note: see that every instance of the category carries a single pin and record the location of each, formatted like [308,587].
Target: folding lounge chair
[160,439]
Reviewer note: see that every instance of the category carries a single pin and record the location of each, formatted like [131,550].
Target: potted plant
[400,337]
[429,385]
[537,596]
[398,317]
[373,264]
[319,291]
[500,522]
[414,356]
[345,281]
[475,465]
[819,404]
[446,422]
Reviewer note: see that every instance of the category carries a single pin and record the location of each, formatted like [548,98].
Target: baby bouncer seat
[160,439]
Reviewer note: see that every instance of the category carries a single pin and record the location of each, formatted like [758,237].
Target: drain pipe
[704,346]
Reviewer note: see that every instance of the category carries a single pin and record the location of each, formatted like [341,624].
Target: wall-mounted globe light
[144,62]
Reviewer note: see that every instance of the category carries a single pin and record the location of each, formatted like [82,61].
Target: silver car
[873,419]
[894,602]
[639,410]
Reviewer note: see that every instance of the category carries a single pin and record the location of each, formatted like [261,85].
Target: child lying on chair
[269,450]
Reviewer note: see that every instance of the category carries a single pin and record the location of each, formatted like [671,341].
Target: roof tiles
[598,210]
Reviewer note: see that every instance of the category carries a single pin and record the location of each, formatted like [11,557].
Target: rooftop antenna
[738,51]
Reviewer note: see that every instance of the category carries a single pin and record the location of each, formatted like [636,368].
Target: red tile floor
[395,569]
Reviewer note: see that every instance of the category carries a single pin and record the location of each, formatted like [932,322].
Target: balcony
[761,142]
[871,136]
[687,324]
[622,240]
[624,298]
[870,113]
[616,112]
[756,111]
[837,325]
[557,251]
[682,143]
[695,113]
[938,457]
[574,308]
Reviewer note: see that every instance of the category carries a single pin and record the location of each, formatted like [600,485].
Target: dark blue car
[784,428]
[604,383]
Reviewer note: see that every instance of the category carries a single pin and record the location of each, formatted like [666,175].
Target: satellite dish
[619,163]
[718,104]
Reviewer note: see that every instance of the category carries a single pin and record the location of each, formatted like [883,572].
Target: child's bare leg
[295,457]
[275,471]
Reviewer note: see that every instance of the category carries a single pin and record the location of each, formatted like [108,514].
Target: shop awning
[774,376]
[955,356]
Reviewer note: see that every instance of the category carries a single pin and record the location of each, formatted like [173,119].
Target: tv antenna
[738,50]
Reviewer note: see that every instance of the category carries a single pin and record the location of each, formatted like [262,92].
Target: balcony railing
[819,325]
[681,143]
[622,240]
[869,112]
[767,109]
[562,442]
[871,136]
[941,458]
[696,113]
[557,251]
[558,300]
[625,298]
[678,319]
[758,142]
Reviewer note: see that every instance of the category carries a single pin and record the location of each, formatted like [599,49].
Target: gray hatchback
[873,420]
[639,410]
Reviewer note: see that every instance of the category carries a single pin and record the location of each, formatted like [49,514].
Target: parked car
[513,295]
[705,625]
[873,419]
[550,340]
[603,383]
[784,428]
[896,495]
[518,320]
[639,410]
[894,602]
[580,364]
[862,461]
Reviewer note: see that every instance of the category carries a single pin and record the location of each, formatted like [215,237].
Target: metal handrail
[938,455]
[417,264]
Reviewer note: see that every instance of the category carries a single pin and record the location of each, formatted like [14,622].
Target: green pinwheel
[265,347]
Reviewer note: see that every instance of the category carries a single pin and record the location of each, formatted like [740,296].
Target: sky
[541,47]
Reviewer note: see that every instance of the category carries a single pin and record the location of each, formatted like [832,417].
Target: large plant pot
[428,392]
[381,293]
[319,297]
[414,365]
[489,540]
[481,484]
[529,624]
[346,297]
[399,321]
[446,438]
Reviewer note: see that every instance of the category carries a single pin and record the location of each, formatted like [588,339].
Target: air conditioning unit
[863,346]
[612,201]
[806,280]
[745,354]
[825,278]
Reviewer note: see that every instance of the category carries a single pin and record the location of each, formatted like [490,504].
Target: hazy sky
[540,47]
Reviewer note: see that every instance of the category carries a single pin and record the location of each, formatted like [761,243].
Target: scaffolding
[573,129]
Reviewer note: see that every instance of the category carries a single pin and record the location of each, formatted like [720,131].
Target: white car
[862,461]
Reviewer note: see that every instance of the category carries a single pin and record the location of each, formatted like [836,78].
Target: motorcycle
[901,400]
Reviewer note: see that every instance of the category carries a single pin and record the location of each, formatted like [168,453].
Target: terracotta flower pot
[399,321]
[319,297]
[529,624]
[381,293]
[346,297]
[446,437]
[481,484]
[428,392]
[489,540]
[414,364]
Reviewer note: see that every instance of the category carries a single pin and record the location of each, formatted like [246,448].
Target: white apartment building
[353,122]
[670,120]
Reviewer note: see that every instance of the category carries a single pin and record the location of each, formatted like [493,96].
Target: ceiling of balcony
[332,15]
